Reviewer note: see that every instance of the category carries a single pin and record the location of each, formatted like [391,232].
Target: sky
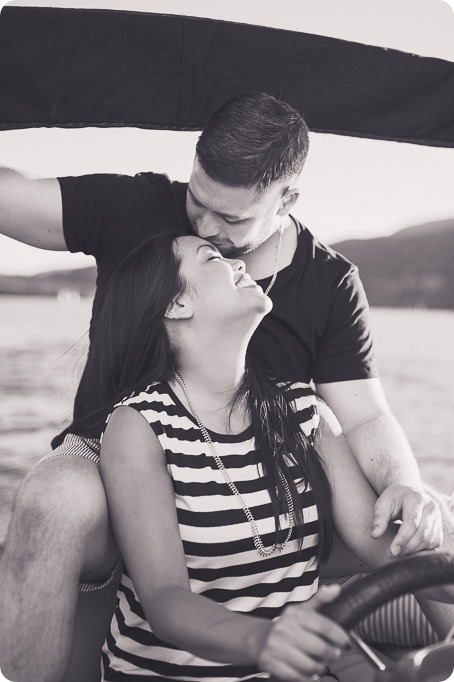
[350,188]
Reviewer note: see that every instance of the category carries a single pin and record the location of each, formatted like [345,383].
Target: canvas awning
[82,67]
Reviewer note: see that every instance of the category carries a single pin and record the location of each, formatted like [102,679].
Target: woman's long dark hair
[129,345]
[131,349]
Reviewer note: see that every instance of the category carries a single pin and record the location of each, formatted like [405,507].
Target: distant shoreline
[84,296]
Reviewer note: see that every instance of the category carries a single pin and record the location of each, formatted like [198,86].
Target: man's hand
[421,518]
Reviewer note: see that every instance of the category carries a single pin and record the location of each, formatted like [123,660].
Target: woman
[222,508]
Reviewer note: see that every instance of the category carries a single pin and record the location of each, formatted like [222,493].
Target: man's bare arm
[31,210]
[366,419]
[386,459]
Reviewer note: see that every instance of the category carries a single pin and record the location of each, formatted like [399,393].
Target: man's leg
[59,533]
[93,615]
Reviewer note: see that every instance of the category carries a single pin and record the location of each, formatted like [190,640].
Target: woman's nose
[238,265]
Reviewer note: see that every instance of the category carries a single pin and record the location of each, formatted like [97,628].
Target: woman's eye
[215,256]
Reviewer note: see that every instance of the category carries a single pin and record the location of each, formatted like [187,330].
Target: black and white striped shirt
[222,561]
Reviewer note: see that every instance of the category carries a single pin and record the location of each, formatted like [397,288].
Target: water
[40,367]
[38,376]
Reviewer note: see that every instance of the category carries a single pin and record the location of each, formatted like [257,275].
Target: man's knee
[60,509]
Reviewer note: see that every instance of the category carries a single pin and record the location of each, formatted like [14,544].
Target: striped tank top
[222,561]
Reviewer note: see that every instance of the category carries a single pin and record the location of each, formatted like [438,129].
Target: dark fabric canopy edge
[109,68]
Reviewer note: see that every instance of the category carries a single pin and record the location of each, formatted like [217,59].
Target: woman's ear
[179,309]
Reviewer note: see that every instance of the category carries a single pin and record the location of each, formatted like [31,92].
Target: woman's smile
[246,281]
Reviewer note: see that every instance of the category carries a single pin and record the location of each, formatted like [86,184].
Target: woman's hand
[302,643]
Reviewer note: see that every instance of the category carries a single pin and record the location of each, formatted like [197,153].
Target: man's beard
[232,251]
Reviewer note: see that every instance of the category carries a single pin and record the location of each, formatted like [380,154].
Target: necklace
[276,262]
[261,549]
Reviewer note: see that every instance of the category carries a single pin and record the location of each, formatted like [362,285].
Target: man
[240,195]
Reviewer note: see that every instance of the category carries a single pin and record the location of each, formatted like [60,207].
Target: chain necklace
[261,549]
[276,262]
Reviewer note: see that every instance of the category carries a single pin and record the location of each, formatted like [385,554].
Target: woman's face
[219,288]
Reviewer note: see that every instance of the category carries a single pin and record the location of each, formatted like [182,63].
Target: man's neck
[261,262]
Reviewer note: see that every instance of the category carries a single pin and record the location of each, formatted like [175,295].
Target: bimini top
[107,68]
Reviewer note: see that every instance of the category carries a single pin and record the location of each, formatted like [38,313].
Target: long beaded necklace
[261,549]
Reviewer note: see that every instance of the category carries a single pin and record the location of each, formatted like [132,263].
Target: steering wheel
[434,663]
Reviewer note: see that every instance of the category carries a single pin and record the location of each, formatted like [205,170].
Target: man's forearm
[386,460]
[384,453]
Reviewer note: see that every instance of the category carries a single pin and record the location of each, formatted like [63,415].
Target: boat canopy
[83,67]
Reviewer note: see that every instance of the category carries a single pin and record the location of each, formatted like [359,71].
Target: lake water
[40,363]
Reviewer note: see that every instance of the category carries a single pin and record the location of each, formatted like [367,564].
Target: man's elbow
[373,421]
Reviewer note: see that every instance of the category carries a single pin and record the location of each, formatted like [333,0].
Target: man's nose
[206,227]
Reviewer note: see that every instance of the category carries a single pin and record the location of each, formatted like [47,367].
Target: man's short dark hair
[252,141]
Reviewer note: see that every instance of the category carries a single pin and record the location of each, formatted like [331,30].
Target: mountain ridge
[414,267]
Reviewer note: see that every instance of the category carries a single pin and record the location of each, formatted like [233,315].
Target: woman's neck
[212,360]
[212,375]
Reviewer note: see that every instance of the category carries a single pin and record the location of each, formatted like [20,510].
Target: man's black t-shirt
[318,328]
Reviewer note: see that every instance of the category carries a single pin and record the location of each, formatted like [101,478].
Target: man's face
[235,219]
